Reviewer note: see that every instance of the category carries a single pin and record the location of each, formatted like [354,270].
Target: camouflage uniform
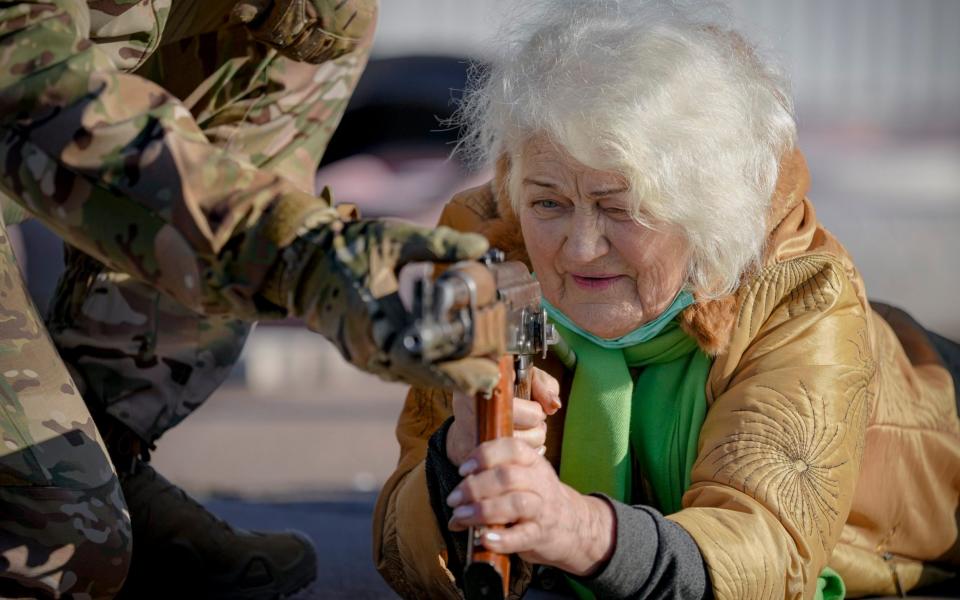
[177,148]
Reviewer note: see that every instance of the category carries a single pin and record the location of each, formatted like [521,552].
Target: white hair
[678,104]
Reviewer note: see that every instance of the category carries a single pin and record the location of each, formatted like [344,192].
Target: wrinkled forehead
[541,160]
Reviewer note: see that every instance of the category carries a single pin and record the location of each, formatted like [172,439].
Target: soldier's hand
[347,290]
[308,30]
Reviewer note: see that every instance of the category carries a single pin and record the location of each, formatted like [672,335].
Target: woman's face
[604,270]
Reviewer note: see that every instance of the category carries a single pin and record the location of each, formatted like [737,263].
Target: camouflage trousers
[125,350]
[136,354]
[64,526]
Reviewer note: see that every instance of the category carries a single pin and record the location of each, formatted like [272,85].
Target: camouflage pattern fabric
[64,527]
[174,150]
[141,356]
[197,189]
[181,160]
[305,30]
[344,283]
[120,168]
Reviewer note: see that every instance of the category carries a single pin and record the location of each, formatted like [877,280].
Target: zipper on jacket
[888,557]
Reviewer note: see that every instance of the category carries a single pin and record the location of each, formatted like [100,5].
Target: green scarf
[614,422]
[658,416]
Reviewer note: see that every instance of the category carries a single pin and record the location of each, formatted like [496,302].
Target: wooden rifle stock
[490,308]
[487,575]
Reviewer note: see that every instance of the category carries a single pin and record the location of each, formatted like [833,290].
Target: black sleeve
[442,477]
[654,558]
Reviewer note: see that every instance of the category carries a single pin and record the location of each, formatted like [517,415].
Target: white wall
[890,62]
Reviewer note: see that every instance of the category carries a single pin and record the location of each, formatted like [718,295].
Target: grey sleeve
[654,558]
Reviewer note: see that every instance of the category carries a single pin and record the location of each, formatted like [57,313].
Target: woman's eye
[546,203]
[618,213]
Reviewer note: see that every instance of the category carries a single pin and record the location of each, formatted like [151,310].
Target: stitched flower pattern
[859,386]
[787,457]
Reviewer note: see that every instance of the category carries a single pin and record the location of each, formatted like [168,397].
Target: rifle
[486,308]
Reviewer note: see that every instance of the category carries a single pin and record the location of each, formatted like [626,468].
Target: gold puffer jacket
[831,437]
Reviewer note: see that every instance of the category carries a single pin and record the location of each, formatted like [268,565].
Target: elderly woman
[734,420]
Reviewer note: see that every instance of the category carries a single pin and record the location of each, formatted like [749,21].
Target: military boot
[181,550]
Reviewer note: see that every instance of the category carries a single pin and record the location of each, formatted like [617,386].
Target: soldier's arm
[119,167]
[276,107]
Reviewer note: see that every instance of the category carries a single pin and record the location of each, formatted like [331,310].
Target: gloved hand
[342,279]
[310,31]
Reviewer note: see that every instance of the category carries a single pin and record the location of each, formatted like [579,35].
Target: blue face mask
[645,332]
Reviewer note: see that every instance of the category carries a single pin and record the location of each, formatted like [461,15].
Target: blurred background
[298,439]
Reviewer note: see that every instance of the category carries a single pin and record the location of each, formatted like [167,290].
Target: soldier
[173,144]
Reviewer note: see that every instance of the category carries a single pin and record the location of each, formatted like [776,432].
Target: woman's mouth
[595,282]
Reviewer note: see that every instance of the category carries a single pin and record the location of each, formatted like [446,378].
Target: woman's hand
[510,483]
[529,418]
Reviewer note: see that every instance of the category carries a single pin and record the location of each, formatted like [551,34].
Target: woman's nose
[586,240]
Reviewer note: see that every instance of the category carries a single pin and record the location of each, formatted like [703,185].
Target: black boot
[181,550]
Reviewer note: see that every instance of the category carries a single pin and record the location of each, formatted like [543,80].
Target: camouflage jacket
[161,138]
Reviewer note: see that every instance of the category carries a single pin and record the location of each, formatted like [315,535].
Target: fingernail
[492,536]
[542,450]
[468,467]
[462,512]
[556,401]
[455,498]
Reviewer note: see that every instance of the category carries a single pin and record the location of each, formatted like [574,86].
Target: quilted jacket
[831,436]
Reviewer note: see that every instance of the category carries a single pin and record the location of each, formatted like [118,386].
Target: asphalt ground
[340,530]
[309,457]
